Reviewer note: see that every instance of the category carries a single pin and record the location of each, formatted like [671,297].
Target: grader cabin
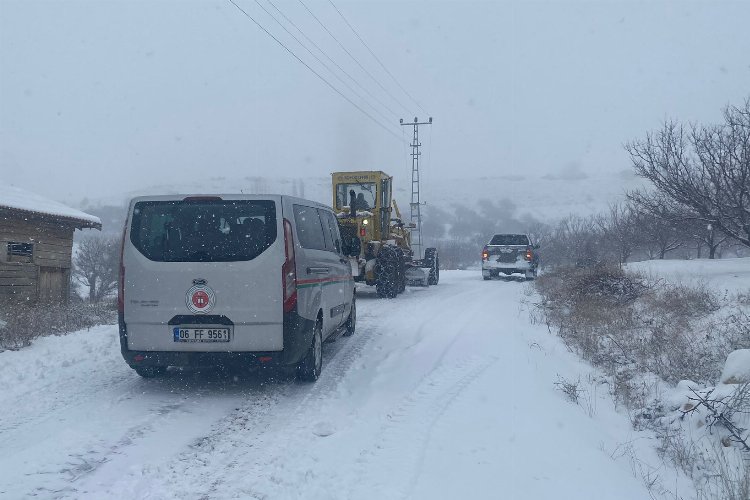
[36,242]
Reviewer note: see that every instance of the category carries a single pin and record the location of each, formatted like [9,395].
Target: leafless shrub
[725,480]
[571,389]
[25,323]
[675,448]
[648,474]
[628,391]
[723,410]
[685,301]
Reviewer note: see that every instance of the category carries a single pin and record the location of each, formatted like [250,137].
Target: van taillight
[485,254]
[121,283]
[529,255]
[288,270]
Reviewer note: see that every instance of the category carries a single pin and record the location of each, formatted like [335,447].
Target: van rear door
[203,267]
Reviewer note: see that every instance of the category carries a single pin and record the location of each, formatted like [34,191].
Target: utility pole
[416,212]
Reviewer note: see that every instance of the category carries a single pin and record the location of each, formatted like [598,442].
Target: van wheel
[150,371]
[351,321]
[311,365]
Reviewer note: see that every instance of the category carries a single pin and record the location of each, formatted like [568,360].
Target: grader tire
[401,273]
[432,259]
[387,279]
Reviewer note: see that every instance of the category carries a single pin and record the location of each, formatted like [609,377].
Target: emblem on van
[200,299]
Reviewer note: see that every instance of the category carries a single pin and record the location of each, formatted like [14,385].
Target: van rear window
[203,230]
[510,239]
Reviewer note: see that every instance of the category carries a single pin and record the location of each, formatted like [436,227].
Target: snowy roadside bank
[661,337]
[21,324]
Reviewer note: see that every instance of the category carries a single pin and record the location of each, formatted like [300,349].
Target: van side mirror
[536,247]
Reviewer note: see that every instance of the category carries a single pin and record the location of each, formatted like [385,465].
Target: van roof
[228,196]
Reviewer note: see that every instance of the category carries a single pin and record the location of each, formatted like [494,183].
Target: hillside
[546,198]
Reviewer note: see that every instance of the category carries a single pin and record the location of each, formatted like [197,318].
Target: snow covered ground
[445,392]
[732,275]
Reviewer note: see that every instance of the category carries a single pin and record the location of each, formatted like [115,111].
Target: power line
[376,57]
[321,62]
[352,57]
[365,89]
[312,70]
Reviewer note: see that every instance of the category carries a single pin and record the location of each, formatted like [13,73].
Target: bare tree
[576,241]
[619,230]
[662,228]
[708,236]
[703,172]
[96,265]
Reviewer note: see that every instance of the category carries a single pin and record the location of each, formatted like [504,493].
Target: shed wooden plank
[20,273]
[17,282]
[36,230]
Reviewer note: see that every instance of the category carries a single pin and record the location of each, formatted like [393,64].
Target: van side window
[333,238]
[309,228]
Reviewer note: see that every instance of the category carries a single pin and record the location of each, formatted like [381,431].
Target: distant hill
[545,198]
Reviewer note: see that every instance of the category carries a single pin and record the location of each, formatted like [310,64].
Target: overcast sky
[103,97]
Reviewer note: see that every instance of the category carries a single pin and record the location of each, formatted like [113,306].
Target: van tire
[312,364]
[150,371]
[351,322]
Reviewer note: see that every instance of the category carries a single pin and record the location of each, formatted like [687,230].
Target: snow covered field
[732,275]
[445,392]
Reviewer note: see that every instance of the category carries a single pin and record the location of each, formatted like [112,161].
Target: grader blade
[417,276]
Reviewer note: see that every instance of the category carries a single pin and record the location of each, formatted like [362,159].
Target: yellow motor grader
[376,238]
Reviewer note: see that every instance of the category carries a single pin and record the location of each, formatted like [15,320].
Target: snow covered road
[445,392]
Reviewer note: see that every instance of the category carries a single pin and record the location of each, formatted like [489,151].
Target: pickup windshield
[510,239]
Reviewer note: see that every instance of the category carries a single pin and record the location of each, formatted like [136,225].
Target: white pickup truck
[509,254]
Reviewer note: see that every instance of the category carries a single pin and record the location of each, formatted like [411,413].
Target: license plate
[182,334]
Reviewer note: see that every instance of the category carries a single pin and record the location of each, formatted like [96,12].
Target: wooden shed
[36,242]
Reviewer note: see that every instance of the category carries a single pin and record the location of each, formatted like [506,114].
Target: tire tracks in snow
[247,443]
[408,428]
[61,392]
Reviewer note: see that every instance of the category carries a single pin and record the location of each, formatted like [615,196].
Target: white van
[232,279]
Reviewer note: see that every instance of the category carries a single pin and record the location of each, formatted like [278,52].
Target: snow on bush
[737,367]
[21,323]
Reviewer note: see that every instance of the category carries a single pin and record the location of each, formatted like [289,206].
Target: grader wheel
[387,273]
[432,259]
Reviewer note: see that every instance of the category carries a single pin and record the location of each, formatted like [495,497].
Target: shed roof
[19,199]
